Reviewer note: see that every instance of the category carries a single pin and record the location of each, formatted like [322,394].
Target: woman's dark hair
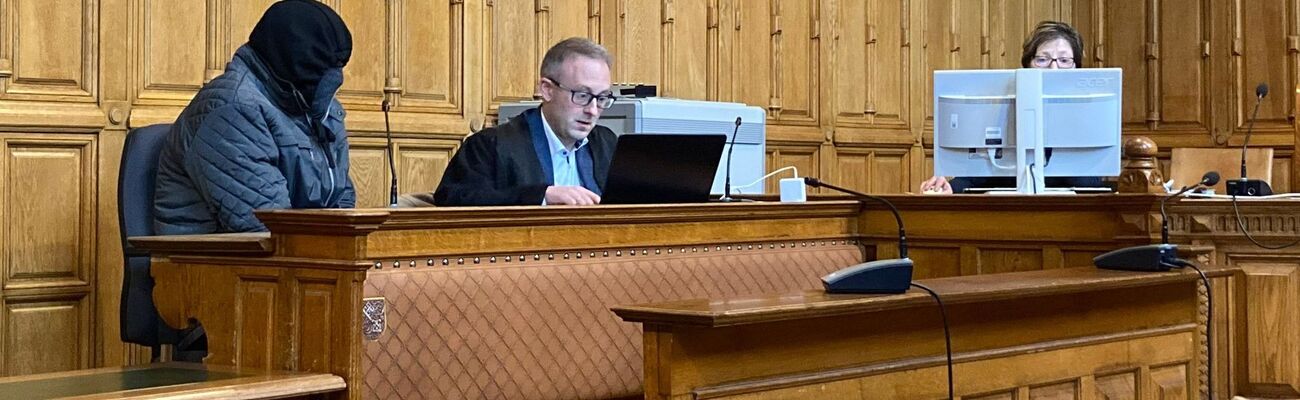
[1047,31]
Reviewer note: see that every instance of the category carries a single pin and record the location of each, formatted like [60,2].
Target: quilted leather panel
[543,329]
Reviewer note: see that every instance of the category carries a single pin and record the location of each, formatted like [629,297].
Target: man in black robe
[551,155]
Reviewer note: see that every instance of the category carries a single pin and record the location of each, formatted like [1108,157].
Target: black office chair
[140,322]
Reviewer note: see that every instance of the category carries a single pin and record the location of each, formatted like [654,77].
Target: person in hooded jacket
[267,133]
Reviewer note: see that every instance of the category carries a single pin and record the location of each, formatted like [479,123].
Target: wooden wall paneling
[169,58]
[870,64]
[1263,51]
[686,53]
[1271,289]
[240,16]
[369,171]
[1282,167]
[947,41]
[890,172]
[777,60]
[38,71]
[724,25]
[564,19]
[46,333]
[803,157]
[942,261]
[420,163]
[1182,52]
[49,211]
[511,58]
[366,75]
[1126,42]
[47,204]
[853,168]
[637,34]
[428,53]
[662,42]
[874,170]
[999,260]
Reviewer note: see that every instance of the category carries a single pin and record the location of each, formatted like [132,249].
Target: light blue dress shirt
[564,162]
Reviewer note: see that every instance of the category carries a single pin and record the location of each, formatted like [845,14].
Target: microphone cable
[1209,324]
[1241,224]
[947,336]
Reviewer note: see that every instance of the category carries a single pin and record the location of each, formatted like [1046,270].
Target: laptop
[650,168]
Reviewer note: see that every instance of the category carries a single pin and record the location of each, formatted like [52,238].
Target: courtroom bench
[1063,333]
[170,380]
[513,302]
[483,302]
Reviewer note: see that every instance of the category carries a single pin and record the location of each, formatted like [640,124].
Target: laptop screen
[663,168]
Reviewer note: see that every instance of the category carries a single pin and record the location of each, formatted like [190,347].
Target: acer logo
[1093,82]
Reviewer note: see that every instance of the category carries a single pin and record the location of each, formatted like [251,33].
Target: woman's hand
[936,185]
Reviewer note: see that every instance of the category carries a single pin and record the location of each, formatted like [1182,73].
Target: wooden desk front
[293,299]
[1065,333]
[170,381]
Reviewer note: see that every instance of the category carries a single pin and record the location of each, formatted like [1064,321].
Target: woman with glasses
[553,154]
[1052,45]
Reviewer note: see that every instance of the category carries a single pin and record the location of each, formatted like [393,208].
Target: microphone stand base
[1248,187]
[892,276]
[1149,258]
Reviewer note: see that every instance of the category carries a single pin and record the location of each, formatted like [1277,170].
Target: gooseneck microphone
[1163,257]
[1153,257]
[1260,92]
[1246,186]
[392,166]
[731,147]
[1209,179]
[889,276]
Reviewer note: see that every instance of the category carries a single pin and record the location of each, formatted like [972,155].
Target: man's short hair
[567,48]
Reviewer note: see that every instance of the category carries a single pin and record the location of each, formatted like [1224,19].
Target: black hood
[300,41]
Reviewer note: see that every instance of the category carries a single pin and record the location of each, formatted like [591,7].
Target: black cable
[1241,224]
[1209,327]
[1031,179]
[947,337]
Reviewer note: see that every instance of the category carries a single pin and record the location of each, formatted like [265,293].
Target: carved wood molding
[646,253]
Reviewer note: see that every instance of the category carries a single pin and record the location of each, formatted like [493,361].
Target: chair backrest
[1187,165]
[135,191]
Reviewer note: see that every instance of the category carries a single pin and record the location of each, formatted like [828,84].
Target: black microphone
[891,276]
[1153,257]
[726,183]
[1245,186]
[392,166]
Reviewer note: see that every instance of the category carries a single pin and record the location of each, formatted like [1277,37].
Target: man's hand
[571,195]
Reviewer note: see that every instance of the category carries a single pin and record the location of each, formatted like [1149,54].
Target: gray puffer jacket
[234,150]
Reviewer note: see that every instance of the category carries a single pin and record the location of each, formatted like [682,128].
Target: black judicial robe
[510,165]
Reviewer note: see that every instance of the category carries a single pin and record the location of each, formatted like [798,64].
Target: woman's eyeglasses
[1061,62]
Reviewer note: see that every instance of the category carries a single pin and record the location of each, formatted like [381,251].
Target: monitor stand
[1013,191]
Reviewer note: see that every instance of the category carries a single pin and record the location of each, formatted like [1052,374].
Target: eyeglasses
[1062,62]
[584,98]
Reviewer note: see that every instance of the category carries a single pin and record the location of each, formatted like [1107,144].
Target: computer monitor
[1060,123]
[975,123]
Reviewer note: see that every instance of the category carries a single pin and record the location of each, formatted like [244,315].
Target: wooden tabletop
[168,380]
[953,290]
